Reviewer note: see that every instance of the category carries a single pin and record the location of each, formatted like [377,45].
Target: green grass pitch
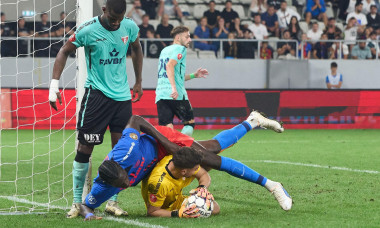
[323,170]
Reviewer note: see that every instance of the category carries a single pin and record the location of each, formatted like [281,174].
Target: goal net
[37,143]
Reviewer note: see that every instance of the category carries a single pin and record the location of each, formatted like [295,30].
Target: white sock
[269,185]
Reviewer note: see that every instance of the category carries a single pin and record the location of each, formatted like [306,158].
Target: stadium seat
[273,42]
[246,2]
[292,7]
[199,10]
[340,25]
[195,1]
[321,25]
[304,26]
[240,10]
[219,7]
[185,10]
[329,11]
[219,1]
[206,55]
[191,54]
[191,24]
[181,1]
[246,22]
[154,23]
[175,23]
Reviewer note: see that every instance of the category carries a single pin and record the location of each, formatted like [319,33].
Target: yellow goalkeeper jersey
[161,189]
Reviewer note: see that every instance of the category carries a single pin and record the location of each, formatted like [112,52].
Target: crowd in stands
[279,28]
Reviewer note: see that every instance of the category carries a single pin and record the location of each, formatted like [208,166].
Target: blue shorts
[100,193]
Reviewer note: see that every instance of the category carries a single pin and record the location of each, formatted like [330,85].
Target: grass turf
[322,196]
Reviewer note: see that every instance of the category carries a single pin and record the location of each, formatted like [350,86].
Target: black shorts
[166,110]
[97,112]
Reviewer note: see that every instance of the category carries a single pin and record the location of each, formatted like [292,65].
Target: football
[205,209]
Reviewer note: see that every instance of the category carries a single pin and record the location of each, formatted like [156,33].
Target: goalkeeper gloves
[186,212]
[203,192]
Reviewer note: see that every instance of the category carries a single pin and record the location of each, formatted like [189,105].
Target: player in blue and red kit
[136,154]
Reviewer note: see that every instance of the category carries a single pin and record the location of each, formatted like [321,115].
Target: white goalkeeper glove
[54,94]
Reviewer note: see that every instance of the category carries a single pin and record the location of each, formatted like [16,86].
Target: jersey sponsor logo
[129,152]
[86,24]
[133,136]
[124,39]
[152,198]
[100,39]
[91,199]
[155,191]
[72,38]
[179,56]
[113,53]
[92,138]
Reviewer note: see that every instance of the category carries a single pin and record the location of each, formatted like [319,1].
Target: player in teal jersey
[107,100]
[171,95]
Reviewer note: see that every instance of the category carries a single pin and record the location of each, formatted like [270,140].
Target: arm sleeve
[80,37]
[134,31]
[327,79]
[341,78]
[157,199]
[323,4]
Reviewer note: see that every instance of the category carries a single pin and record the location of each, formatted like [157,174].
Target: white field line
[128,222]
[316,166]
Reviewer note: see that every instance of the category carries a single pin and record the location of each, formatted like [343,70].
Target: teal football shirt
[164,89]
[106,53]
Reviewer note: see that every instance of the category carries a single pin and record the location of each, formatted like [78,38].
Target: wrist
[54,84]
[192,75]
[175,214]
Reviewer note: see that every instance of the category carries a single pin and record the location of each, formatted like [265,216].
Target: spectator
[304,47]
[331,30]
[145,26]
[335,79]
[373,18]
[343,6]
[230,47]
[149,6]
[361,51]
[22,31]
[63,28]
[275,3]
[42,29]
[367,6]
[266,52]
[259,30]
[367,32]
[336,51]
[321,49]
[229,14]
[373,44]
[286,49]
[164,29]
[153,47]
[314,33]
[295,29]
[203,32]
[246,49]
[350,32]
[258,7]
[171,8]
[315,9]
[360,17]
[220,31]
[212,15]
[7,46]
[136,13]
[270,20]
[237,28]
[284,15]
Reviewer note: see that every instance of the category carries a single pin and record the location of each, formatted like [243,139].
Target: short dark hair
[145,15]
[334,64]
[187,158]
[212,1]
[2,14]
[178,30]
[117,6]
[110,171]
[373,6]
[150,30]
[43,13]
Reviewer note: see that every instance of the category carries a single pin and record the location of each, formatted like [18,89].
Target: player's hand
[174,94]
[188,212]
[200,191]
[201,73]
[54,94]
[137,89]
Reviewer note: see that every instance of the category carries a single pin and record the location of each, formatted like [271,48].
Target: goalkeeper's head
[113,174]
[187,161]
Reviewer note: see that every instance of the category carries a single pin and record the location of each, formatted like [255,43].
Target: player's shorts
[97,112]
[166,110]
[100,193]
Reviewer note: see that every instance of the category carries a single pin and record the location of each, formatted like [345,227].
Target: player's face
[184,39]
[112,19]
[189,172]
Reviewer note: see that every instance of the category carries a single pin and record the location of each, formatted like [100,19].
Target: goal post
[84,13]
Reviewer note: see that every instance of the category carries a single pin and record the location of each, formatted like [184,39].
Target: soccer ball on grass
[205,208]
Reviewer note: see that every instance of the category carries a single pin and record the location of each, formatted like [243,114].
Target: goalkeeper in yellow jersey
[162,191]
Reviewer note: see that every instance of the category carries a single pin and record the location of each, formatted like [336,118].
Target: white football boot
[113,208]
[282,197]
[74,211]
[257,119]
